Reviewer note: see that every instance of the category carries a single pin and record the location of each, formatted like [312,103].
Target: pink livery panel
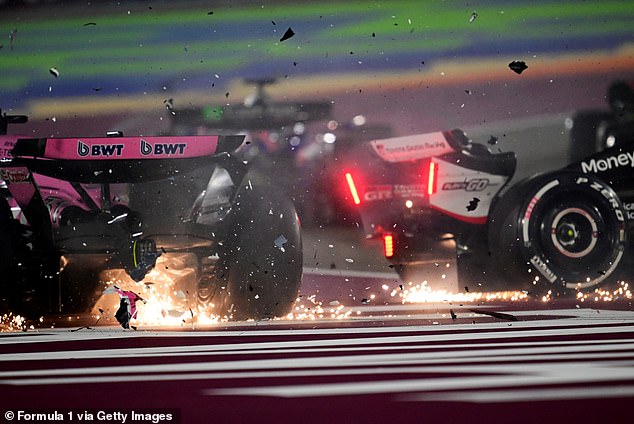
[130,147]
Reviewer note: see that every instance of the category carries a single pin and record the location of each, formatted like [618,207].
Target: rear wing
[120,159]
[5,120]
[419,146]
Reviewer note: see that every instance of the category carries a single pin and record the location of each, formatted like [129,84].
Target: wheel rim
[574,232]
[572,242]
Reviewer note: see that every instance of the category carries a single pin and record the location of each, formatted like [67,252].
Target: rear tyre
[7,255]
[260,267]
[28,272]
[566,232]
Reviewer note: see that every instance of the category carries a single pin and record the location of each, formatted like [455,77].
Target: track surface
[387,364]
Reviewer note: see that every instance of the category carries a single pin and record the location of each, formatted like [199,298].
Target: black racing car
[279,134]
[73,207]
[566,229]
[596,129]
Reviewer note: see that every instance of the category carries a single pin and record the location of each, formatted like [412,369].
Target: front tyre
[568,232]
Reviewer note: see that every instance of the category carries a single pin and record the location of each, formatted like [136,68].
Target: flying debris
[127,305]
[493,140]
[169,105]
[288,34]
[12,36]
[495,314]
[54,72]
[518,66]
[280,241]
[90,23]
[474,16]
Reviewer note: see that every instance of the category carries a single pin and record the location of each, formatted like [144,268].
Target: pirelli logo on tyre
[543,268]
[607,193]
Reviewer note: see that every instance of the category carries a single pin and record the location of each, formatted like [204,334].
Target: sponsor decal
[629,208]
[602,165]
[5,152]
[382,192]
[410,147]
[475,184]
[149,149]
[15,176]
[99,150]
[414,190]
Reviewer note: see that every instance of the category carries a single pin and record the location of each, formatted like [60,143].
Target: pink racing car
[73,207]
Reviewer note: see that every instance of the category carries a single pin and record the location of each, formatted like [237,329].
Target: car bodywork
[74,206]
[593,130]
[281,137]
[554,232]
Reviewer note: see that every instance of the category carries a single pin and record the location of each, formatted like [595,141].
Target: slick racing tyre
[27,273]
[261,265]
[562,230]
[7,258]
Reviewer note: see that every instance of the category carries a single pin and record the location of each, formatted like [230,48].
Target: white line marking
[358,341]
[295,347]
[524,376]
[381,359]
[195,374]
[586,317]
[525,395]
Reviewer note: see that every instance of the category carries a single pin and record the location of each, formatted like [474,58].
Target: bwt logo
[148,149]
[106,150]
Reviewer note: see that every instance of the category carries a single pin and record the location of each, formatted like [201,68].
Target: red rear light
[388,245]
[353,189]
[431,178]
